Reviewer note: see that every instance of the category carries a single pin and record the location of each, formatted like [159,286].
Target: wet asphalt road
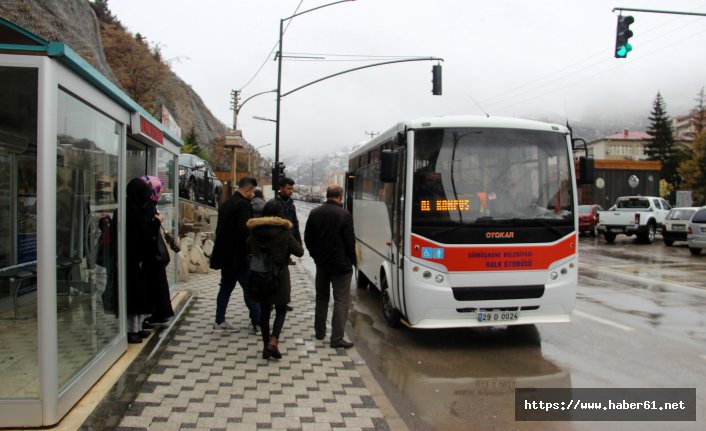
[639,322]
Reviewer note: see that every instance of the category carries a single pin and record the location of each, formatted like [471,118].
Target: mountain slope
[105,44]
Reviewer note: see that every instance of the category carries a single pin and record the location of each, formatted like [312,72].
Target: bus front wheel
[389,312]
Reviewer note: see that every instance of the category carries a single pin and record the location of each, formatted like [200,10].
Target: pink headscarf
[155,185]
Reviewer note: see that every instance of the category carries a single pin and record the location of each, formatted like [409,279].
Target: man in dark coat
[284,196]
[330,239]
[231,250]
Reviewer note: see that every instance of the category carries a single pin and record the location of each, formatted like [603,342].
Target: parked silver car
[696,235]
[676,224]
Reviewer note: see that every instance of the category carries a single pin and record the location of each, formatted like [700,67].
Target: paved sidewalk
[216,380]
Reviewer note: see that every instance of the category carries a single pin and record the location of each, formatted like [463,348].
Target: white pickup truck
[633,215]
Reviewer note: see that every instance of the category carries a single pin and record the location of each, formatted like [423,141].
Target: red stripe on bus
[493,258]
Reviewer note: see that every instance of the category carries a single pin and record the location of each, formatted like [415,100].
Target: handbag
[162,256]
[263,276]
[169,238]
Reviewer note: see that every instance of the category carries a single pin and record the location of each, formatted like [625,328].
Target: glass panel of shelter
[19,371]
[88,149]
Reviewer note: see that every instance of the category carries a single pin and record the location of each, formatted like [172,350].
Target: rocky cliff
[75,23]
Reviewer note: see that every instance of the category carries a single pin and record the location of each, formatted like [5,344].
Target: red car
[588,218]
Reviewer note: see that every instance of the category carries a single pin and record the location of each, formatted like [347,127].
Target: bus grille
[482,293]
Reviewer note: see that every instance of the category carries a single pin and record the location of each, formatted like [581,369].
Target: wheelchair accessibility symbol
[432,253]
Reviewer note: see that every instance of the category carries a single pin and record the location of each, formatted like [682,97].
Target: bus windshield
[480,177]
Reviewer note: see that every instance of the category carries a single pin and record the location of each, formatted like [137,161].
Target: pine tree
[698,114]
[102,11]
[191,145]
[662,146]
[693,171]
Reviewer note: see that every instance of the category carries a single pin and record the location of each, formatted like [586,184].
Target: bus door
[397,244]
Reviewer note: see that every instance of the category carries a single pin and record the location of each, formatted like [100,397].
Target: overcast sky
[522,58]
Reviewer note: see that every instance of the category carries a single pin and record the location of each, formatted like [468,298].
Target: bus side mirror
[388,166]
[586,170]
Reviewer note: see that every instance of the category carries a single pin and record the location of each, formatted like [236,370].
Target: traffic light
[436,80]
[623,33]
[277,174]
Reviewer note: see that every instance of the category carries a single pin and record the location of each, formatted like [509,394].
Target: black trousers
[340,284]
[265,312]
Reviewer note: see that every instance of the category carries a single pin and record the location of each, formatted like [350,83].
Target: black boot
[133,338]
[266,352]
[273,348]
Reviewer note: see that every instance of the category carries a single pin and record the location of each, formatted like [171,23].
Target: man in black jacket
[284,196]
[330,239]
[231,250]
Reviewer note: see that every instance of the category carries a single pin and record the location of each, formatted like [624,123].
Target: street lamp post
[252,151]
[279,71]
[236,106]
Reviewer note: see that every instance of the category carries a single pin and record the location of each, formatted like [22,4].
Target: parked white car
[633,215]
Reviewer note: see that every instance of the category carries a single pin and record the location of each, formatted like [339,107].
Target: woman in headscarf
[274,233]
[161,299]
[141,248]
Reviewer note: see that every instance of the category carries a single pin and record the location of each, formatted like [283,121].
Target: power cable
[513,93]
[637,58]
[259,69]
[524,87]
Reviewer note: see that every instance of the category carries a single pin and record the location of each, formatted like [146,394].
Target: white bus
[467,221]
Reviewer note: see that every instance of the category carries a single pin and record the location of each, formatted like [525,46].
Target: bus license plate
[498,316]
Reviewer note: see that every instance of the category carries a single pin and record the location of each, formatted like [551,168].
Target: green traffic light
[623,50]
[623,33]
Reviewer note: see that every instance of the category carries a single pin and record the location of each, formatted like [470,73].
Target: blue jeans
[228,280]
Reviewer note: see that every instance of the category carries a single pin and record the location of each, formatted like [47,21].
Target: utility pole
[234,101]
[371,134]
[311,189]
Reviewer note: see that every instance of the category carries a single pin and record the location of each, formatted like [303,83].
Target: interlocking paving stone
[215,380]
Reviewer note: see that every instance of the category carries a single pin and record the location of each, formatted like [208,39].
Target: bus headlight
[553,275]
[439,278]
[426,275]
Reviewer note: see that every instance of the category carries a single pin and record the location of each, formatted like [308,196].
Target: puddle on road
[648,302]
[454,378]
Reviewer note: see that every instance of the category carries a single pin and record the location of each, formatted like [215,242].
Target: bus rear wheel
[389,312]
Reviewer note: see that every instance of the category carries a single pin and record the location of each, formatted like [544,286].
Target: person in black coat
[257,203]
[162,298]
[284,196]
[230,252]
[330,239]
[141,267]
[274,233]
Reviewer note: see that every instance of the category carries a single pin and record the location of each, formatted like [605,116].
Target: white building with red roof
[625,145]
